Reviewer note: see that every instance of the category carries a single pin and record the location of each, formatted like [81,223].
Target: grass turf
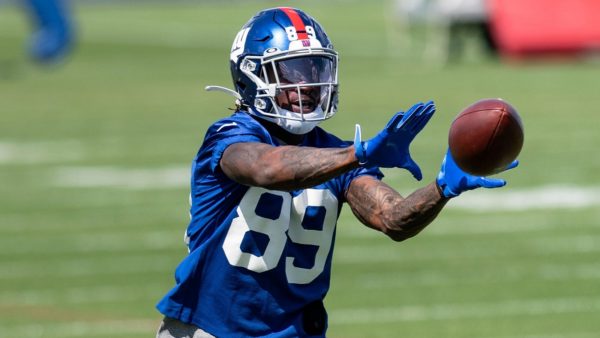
[93,260]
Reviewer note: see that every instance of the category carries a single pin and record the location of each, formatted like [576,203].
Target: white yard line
[81,295]
[40,152]
[113,177]
[83,268]
[105,242]
[519,307]
[377,253]
[505,199]
[96,327]
[391,280]
[545,197]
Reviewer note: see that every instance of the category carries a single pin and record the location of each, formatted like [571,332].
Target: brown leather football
[486,137]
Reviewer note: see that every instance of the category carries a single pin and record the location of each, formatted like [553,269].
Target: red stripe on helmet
[296,21]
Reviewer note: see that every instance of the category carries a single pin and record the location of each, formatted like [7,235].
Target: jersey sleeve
[227,132]
[375,172]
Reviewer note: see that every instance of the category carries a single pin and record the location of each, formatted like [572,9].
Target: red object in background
[525,27]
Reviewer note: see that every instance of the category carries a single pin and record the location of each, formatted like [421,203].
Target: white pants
[173,328]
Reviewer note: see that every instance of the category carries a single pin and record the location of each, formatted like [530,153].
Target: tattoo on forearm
[311,166]
[379,206]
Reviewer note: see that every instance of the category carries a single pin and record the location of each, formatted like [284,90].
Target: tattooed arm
[373,202]
[285,167]
[380,207]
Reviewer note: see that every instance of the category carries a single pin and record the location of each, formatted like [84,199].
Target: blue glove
[389,148]
[453,181]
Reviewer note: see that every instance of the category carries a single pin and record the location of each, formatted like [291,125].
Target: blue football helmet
[284,69]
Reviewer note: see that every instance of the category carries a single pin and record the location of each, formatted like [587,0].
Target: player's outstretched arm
[380,207]
[285,167]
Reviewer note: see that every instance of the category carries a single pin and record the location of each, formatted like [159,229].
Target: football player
[53,37]
[268,185]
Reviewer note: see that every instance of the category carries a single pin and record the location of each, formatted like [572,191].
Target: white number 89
[289,219]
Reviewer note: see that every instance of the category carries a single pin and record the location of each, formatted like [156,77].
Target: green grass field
[94,197]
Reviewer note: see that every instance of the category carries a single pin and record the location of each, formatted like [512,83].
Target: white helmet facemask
[296,90]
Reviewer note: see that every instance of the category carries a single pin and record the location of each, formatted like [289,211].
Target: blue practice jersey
[257,257]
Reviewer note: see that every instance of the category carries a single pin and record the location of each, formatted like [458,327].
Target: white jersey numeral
[290,218]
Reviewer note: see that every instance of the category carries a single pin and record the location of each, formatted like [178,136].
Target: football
[486,137]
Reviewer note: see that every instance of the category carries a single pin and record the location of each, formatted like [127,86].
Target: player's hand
[389,148]
[453,181]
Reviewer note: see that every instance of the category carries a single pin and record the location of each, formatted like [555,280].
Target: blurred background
[95,147]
